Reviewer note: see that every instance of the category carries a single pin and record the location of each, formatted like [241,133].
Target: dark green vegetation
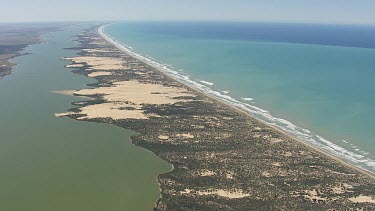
[14,38]
[224,159]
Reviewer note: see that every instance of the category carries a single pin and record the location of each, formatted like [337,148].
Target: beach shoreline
[218,152]
[362,170]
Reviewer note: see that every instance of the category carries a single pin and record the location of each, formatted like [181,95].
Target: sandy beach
[204,138]
[370,174]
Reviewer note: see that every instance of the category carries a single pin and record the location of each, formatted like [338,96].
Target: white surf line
[265,116]
[247,98]
[207,83]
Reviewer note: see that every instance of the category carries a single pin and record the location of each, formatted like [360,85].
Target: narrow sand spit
[68,92]
[74,65]
[63,114]
[65,92]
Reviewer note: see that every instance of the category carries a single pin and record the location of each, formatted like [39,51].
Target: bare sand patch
[313,195]
[99,73]
[276,164]
[233,193]
[206,173]
[185,135]
[138,93]
[257,129]
[163,137]
[140,73]
[227,118]
[266,174]
[99,63]
[287,154]
[341,188]
[114,111]
[230,175]
[125,100]
[276,140]
[363,199]
[347,186]
[338,190]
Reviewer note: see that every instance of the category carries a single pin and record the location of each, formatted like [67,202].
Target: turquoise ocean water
[313,81]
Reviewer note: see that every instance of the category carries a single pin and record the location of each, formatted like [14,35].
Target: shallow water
[318,77]
[50,163]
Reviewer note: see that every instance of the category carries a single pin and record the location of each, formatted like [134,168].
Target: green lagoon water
[59,164]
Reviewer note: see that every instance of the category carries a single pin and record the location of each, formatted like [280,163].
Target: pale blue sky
[318,11]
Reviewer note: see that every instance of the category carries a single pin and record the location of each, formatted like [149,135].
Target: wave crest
[360,160]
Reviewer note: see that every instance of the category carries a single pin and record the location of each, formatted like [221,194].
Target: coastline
[88,163]
[6,66]
[13,41]
[267,155]
[327,153]
[347,152]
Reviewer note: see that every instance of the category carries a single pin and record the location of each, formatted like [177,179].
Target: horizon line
[192,21]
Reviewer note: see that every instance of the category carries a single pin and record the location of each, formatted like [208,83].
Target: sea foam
[207,83]
[247,99]
[358,158]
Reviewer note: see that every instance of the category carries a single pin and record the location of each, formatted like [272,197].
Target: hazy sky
[327,11]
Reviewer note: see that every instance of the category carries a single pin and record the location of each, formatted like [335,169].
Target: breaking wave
[359,158]
[207,83]
[247,99]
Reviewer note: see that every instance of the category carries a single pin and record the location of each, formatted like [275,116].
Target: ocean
[315,82]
